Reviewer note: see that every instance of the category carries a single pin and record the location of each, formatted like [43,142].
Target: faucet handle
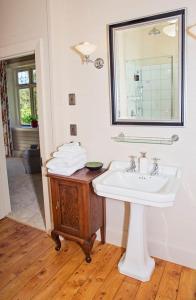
[155,166]
[132,167]
[155,159]
[143,154]
[132,157]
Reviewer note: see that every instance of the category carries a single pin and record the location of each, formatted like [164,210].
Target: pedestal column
[136,262]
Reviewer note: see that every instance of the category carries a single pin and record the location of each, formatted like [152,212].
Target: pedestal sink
[141,190]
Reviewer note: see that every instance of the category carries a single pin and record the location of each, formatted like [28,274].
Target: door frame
[45,120]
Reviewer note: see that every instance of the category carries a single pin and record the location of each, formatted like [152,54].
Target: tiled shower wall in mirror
[149,85]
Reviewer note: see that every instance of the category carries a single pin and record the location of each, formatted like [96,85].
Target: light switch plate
[73,129]
[72,99]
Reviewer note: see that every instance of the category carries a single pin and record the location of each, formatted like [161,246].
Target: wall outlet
[73,129]
[72,99]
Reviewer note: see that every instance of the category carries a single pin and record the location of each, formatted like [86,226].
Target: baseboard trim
[173,254]
[157,249]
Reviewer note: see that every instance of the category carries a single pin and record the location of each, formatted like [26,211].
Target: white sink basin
[158,190]
[142,190]
[135,181]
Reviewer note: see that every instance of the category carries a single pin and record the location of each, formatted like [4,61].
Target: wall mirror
[147,70]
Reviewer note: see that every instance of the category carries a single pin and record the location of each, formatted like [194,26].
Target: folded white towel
[70,145]
[64,162]
[74,148]
[67,171]
[69,154]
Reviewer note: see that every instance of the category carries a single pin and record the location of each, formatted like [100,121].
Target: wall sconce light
[86,49]
[170,30]
[191,30]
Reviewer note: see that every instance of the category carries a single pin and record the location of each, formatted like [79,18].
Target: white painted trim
[18,50]
[158,249]
[172,253]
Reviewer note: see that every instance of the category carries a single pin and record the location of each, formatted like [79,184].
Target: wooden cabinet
[77,211]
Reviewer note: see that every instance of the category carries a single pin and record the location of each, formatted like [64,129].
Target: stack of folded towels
[68,159]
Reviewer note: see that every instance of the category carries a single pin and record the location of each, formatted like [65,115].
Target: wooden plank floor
[30,268]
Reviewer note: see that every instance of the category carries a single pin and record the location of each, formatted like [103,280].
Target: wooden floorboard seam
[41,273]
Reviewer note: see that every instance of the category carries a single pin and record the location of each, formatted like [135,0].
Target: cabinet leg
[88,259]
[87,246]
[102,231]
[56,239]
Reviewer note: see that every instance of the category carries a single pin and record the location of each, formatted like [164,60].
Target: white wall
[155,45]
[23,21]
[171,231]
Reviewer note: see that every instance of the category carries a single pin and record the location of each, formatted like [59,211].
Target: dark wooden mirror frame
[115,121]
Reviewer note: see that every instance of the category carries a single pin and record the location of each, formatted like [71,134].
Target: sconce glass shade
[173,21]
[170,30]
[85,48]
[192,31]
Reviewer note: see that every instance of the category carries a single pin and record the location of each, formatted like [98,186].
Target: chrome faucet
[132,166]
[155,167]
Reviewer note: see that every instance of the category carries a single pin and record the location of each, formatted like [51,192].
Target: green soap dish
[94,165]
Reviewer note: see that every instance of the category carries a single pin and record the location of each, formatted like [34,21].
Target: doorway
[22,147]
[46,136]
